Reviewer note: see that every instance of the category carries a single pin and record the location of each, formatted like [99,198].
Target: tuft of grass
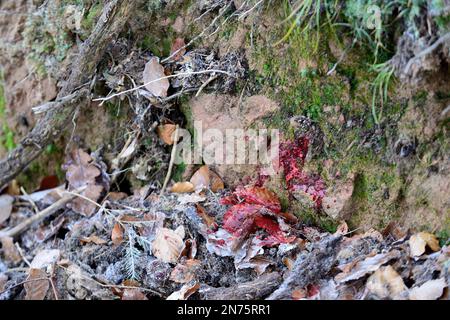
[7,137]
[380,87]
[370,23]
[307,14]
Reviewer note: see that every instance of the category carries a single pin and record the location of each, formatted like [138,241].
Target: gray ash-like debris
[231,68]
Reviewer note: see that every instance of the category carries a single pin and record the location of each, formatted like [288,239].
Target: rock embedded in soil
[222,112]
[337,200]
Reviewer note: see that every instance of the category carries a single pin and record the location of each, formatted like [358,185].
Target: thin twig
[172,159]
[212,78]
[201,34]
[29,199]
[21,227]
[162,78]
[241,16]
[426,51]
[22,255]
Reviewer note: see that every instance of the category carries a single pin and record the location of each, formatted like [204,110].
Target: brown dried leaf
[185,292]
[3,281]
[366,266]
[6,206]
[37,285]
[386,283]
[80,169]
[168,245]
[395,231]
[45,257]
[200,179]
[117,234]
[85,207]
[133,294]
[190,249]
[288,262]
[342,228]
[299,294]
[430,290]
[9,250]
[13,188]
[49,182]
[182,187]
[153,71]
[419,241]
[165,133]
[207,219]
[177,44]
[93,239]
[83,171]
[185,272]
[216,182]
[45,232]
[116,196]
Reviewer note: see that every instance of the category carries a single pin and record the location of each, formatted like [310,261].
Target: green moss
[312,217]
[158,46]
[178,172]
[444,237]
[114,110]
[7,137]
[90,18]
[51,149]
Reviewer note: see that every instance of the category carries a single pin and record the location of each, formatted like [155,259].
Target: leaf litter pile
[201,241]
[194,239]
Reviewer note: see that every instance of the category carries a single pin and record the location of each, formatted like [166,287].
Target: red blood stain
[254,208]
[292,160]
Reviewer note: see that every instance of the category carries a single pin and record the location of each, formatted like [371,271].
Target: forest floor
[93,204]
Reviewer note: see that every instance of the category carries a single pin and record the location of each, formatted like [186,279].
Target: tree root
[50,127]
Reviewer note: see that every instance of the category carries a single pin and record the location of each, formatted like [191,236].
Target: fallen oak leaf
[116,196]
[299,294]
[36,285]
[190,198]
[342,229]
[83,171]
